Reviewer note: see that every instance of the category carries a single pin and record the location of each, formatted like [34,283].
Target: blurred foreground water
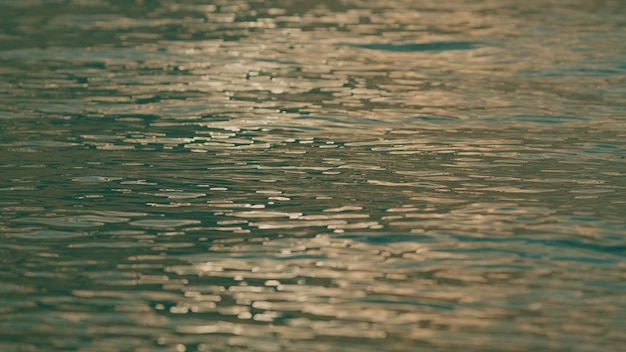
[312,175]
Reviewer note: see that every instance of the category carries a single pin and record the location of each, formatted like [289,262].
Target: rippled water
[312,175]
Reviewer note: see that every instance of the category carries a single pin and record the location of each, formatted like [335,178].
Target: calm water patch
[435,46]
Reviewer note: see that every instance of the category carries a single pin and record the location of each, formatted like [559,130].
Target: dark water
[312,175]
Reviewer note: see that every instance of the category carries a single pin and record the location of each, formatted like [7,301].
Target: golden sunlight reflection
[288,175]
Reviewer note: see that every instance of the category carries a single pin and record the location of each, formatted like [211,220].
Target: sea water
[293,175]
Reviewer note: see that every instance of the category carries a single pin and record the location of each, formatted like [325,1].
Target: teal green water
[312,176]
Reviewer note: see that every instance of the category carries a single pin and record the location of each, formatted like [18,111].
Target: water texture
[291,175]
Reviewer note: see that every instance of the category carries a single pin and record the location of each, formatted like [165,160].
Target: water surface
[312,176]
